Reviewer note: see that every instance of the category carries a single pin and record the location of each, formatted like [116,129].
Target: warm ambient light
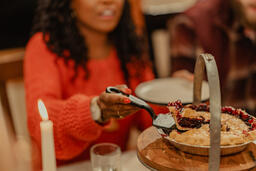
[42,110]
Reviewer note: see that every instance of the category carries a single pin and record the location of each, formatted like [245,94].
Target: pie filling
[197,122]
[192,124]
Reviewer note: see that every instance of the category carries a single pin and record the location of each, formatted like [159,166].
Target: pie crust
[192,125]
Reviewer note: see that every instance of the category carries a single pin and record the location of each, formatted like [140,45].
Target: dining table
[129,161]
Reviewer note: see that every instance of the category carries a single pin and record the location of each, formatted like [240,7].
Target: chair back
[12,94]
[7,157]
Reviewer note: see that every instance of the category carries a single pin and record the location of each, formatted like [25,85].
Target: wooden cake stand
[156,153]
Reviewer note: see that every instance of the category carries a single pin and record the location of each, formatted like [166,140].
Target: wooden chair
[12,96]
[7,154]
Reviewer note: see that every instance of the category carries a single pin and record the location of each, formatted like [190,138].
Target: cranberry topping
[251,120]
[200,107]
[244,116]
[190,122]
[203,107]
[192,106]
[253,126]
[248,120]
[245,132]
[227,110]
[197,122]
[177,104]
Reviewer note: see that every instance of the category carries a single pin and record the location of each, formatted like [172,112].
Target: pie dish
[192,125]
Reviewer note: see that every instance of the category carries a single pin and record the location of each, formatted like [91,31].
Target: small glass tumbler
[105,157]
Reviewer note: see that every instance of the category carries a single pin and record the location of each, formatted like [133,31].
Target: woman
[79,47]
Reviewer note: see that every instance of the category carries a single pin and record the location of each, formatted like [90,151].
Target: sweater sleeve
[74,128]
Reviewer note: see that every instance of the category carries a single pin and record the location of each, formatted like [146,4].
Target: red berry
[230,110]
[245,132]
[244,116]
[251,120]
[223,110]
[251,129]
[235,112]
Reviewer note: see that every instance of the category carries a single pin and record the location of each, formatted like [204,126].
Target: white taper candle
[47,140]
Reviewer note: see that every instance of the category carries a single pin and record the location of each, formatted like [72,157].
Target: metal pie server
[163,122]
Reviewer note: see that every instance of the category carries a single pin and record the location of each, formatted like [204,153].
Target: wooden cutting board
[157,153]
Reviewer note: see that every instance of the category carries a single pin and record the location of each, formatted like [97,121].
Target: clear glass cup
[105,157]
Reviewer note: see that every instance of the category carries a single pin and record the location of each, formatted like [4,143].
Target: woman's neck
[97,43]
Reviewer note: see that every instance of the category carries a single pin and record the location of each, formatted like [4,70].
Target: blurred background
[16,20]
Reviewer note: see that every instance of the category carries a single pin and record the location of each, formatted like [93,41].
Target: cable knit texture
[68,102]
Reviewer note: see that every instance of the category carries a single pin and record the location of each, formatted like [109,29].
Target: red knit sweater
[68,103]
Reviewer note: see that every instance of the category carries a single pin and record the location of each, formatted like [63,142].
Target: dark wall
[15,22]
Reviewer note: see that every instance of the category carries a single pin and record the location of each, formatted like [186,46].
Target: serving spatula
[163,122]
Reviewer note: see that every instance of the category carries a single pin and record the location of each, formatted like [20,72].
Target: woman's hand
[116,105]
[184,74]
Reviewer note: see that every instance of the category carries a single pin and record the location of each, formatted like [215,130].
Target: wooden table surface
[157,153]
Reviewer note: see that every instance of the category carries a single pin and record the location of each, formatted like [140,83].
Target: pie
[192,125]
